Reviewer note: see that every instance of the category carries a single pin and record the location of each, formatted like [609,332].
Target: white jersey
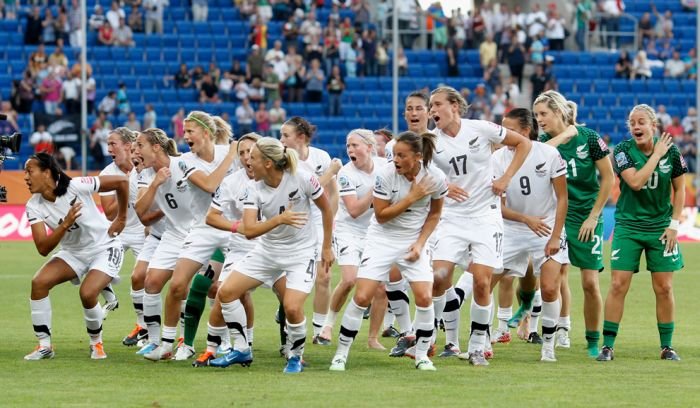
[466,159]
[220,152]
[393,187]
[90,229]
[183,203]
[296,189]
[133,224]
[354,182]
[229,200]
[531,192]
[389,150]
[317,163]
[143,179]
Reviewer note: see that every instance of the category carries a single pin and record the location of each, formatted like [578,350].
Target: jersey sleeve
[557,165]
[187,167]
[346,185]
[33,214]
[382,187]
[493,132]
[313,186]
[145,178]
[622,161]
[87,185]
[597,146]
[251,198]
[105,172]
[544,138]
[441,181]
[323,164]
[222,197]
[680,167]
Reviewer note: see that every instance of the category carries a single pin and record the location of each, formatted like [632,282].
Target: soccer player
[407,203]
[584,152]
[227,209]
[355,183]
[646,220]
[296,133]
[472,219]
[88,247]
[285,256]
[534,211]
[183,193]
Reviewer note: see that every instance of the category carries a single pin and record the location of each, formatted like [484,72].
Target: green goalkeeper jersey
[648,209]
[580,154]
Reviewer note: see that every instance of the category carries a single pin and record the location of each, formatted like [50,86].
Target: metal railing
[603,38]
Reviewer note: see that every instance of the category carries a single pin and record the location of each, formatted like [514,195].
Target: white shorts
[319,240]
[107,259]
[348,248]
[150,244]
[133,241]
[482,238]
[168,252]
[233,256]
[382,252]
[519,248]
[201,243]
[268,267]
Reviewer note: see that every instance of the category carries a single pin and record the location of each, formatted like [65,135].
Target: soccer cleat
[606,354]
[244,358]
[450,350]
[425,365]
[403,344]
[159,353]
[294,365]
[391,332]
[147,349]
[321,341]
[184,352]
[97,352]
[338,364]
[488,351]
[411,351]
[203,360]
[668,353]
[223,349]
[477,359]
[40,353]
[132,339]
[548,354]
[593,351]
[563,340]
[534,338]
[108,307]
[501,337]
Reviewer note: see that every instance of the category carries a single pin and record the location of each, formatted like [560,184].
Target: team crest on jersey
[319,170]
[664,167]
[621,159]
[344,182]
[474,144]
[540,169]
[243,196]
[378,186]
[181,185]
[582,152]
[183,166]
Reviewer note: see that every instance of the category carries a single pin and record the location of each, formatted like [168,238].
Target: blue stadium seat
[608,99]
[601,86]
[672,86]
[627,100]
[619,86]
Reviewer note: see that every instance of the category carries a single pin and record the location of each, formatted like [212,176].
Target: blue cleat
[244,358]
[147,349]
[294,365]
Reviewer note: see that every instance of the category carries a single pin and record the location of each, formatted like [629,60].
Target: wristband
[674,224]
[234,227]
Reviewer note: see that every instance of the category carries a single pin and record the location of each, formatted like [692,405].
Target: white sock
[183,306]
[504,314]
[237,322]
[108,293]
[215,336]
[317,321]
[41,320]
[93,322]
[399,304]
[211,302]
[536,311]
[465,284]
[565,322]
[492,314]
[439,308]
[388,318]
[168,337]
[550,314]
[479,327]
[425,326]
[453,303]
[296,336]
[152,305]
[330,319]
[349,326]
[249,334]
[137,300]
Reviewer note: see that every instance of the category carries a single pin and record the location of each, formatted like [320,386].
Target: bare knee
[663,290]
[618,287]
[294,313]
[178,289]
[40,287]
[423,299]
[363,299]
[550,292]
[88,296]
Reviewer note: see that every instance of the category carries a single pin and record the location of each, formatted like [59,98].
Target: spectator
[612,10]
[133,123]
[58,60]
[290,32]
[136,20]
[10,10]
[106,34]
[214,72]
[90,89]
[177,122]
[276,52]
[100,131]
[535,21]
[237,72]
[330,47]
[264,11]
[97,19]
[114,14]
[690,61]
[244,117]
[452,53]
[280,67]
[369,50]
[42,140]
[200,11]
[314,82]
[256,91]
[38,60]
[688,148]
[480,101]
[278,115]
[540,81]
[154,15]
[71,94]
[652,49]
[26,93]
[664,23]
[623,66]
[439,24]
[663,117]
[667,50]
[182,77]
[674,67]
[33,31]
[351,61]
[262,120]
[254,63]
[537,49]
[556,32]
[363,16]
[51,92]
[150,117]
[515,57]
[74,16]
[487,51]
[271,83]
[208,91]
[123,36]
[310,28]
[383,58]
[492,74]
[9,125]
[347,38]
[108,104]
[675,129]
[61,25]
[197,74]
[689,5]
[584,12]
[48,33]
[335,86]
[641,67]
[499,103]
[689,121]
[513,89]
[294,82]
[226,86]
[646,28]
[123,100]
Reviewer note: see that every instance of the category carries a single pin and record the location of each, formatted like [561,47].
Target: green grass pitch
[515,377]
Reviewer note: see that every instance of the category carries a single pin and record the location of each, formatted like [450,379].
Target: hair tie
[201,123]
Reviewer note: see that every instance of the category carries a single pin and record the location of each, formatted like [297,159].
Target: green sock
[194,307]
[665,334]
[609,333]
[592,338]
[526,299]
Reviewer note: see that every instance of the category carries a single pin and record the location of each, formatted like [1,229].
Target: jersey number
[572,164]
[170,199]
[498,236]
[597,243]
[653,182]
[115,257]
[455,164]
[310,270]
[525,185]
